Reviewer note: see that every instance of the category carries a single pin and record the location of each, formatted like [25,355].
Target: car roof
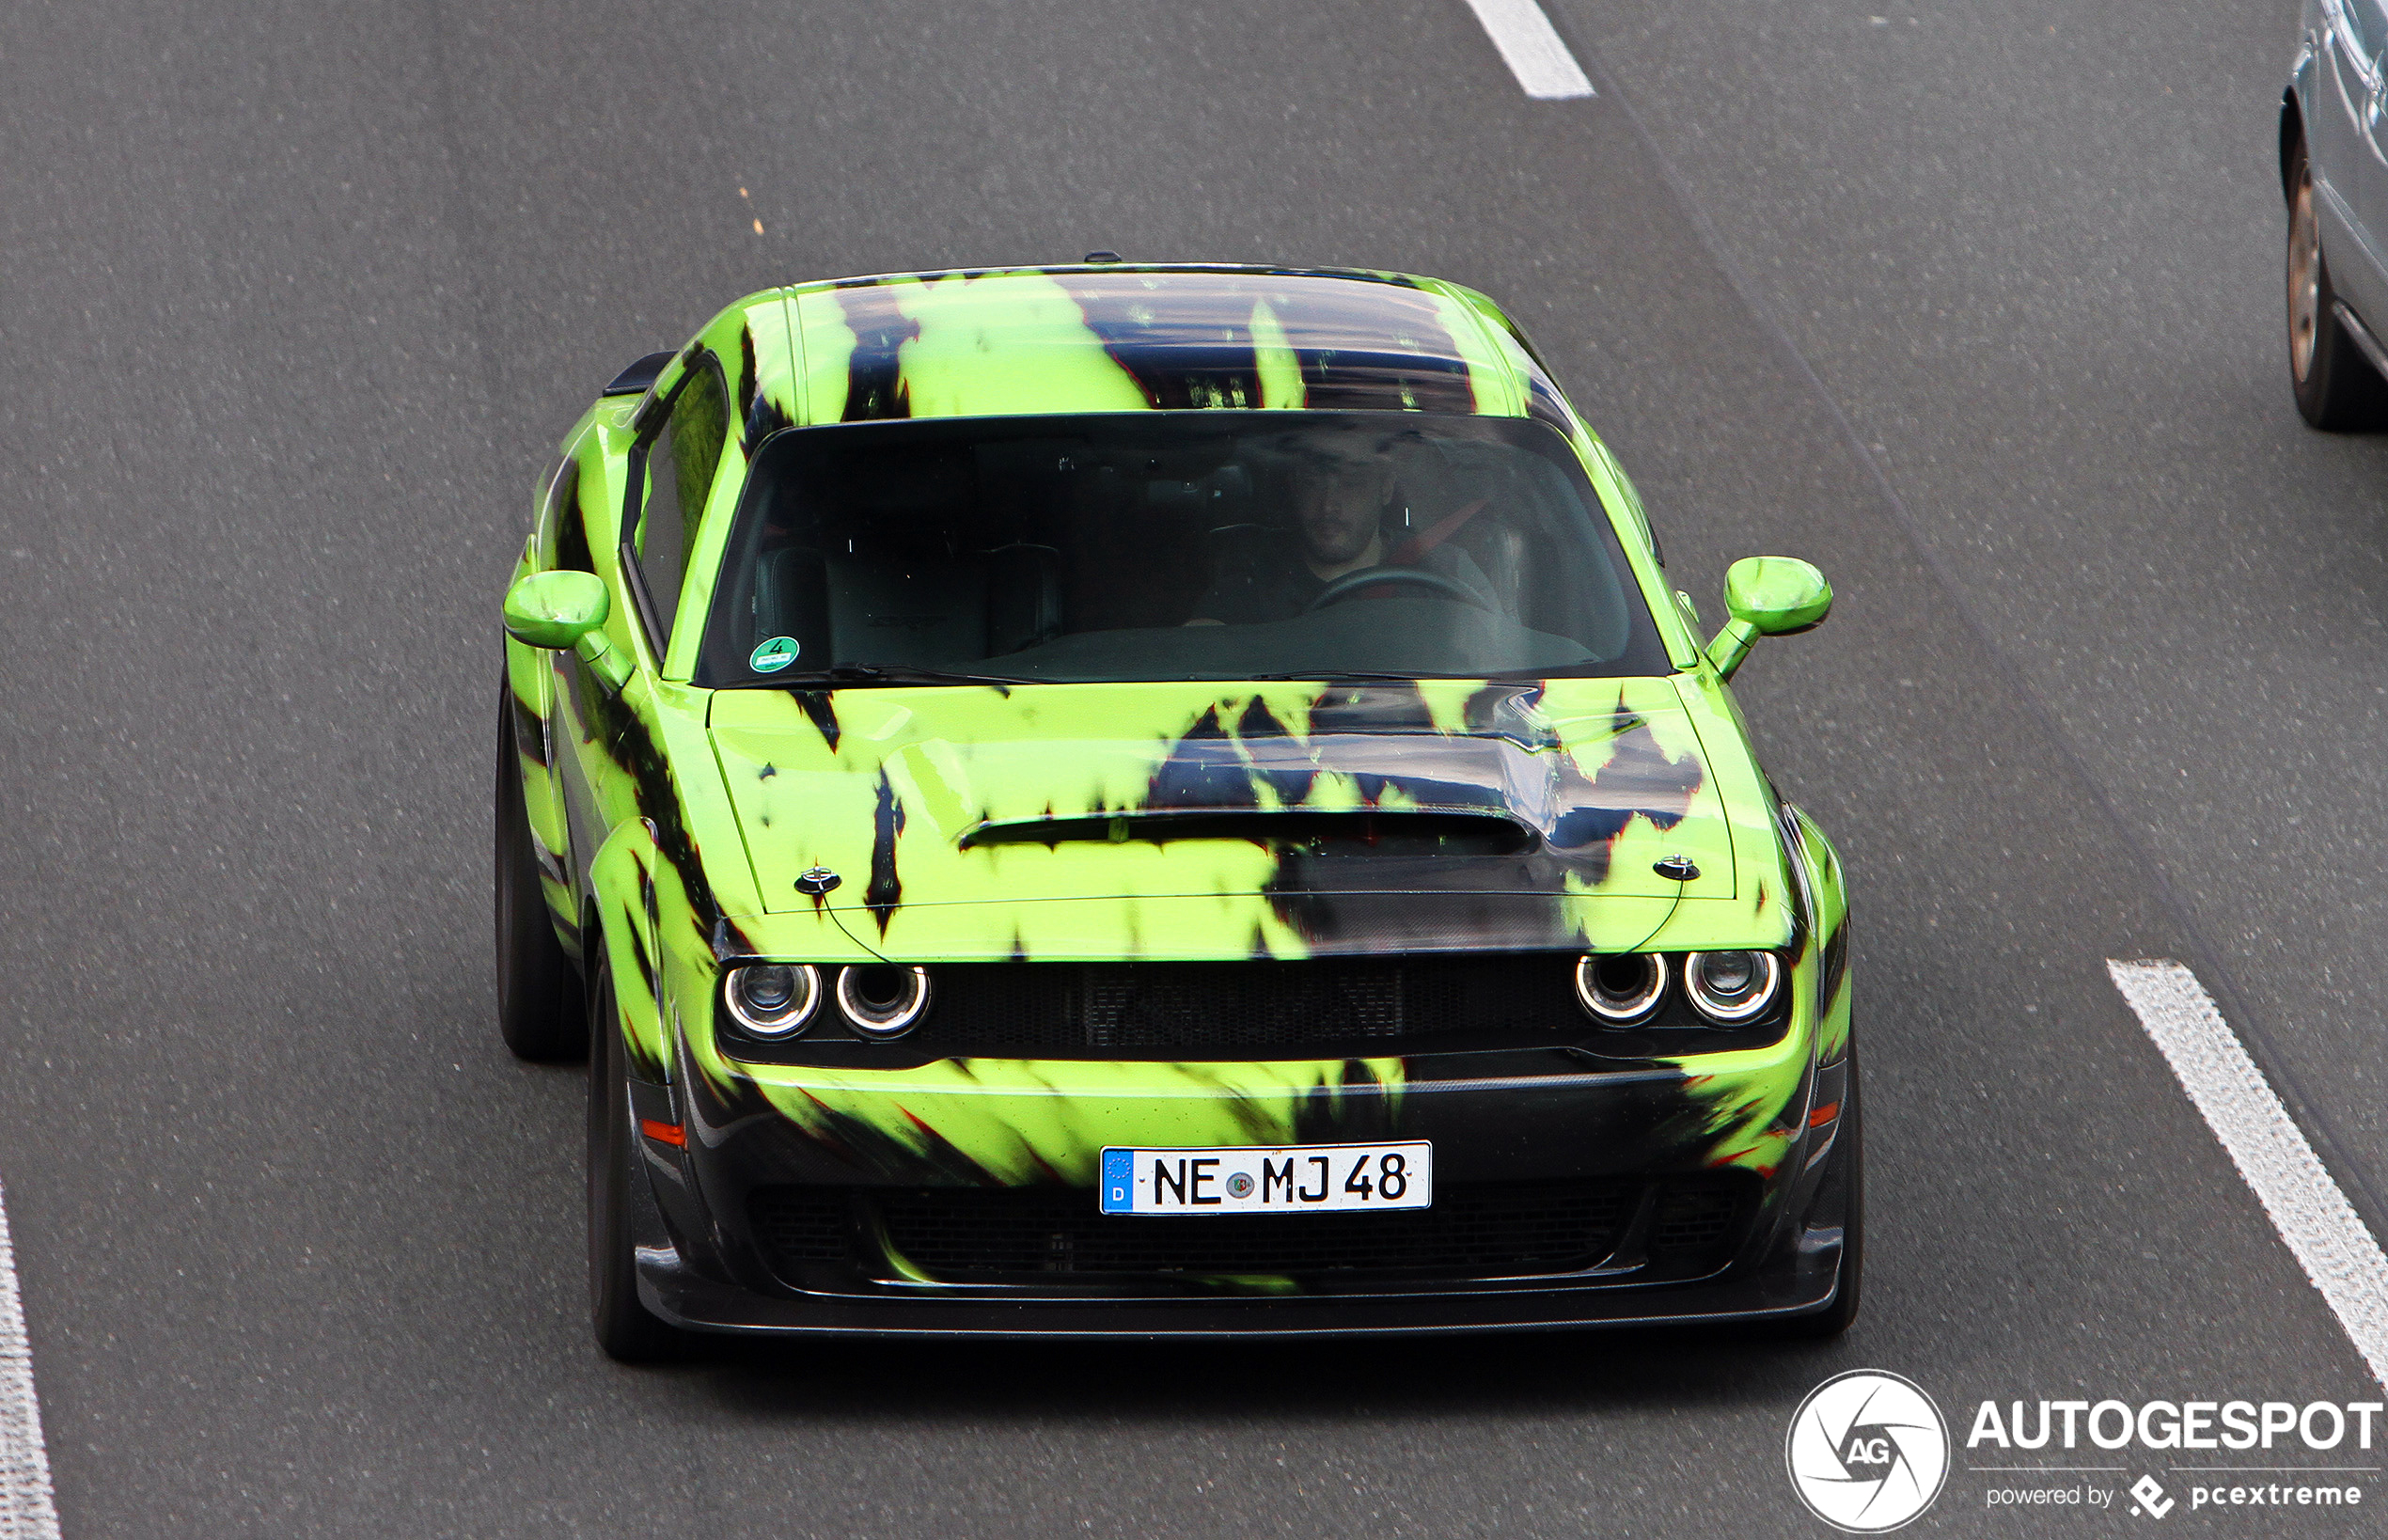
[1125,336]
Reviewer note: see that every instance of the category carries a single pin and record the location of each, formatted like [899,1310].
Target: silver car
[2334,169]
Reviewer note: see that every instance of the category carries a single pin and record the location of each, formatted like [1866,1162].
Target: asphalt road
[1976,307]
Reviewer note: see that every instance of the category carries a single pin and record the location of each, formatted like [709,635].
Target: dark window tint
[2363,22]
[563,538]
[672,472]
[1214,545]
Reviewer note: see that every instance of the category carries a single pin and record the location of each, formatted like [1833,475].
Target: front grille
[1470,1233]
[802,1224]
[1115,1009]
[1693,1219]
[1473,1231]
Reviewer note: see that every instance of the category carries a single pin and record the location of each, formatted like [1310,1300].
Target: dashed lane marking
[2312,1215]
[1531,47]
[27,1509]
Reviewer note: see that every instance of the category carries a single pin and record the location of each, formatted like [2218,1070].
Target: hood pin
[1675,868]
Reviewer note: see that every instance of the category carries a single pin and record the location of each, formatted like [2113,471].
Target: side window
[672,471]
[563,539]
[2360,29]
[2351,16]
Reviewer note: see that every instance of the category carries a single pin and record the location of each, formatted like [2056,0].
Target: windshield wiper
[899,673]
[1332,676]
[1497,676]
[1572,670]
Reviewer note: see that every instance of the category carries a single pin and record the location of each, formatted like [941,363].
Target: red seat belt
[1409,551]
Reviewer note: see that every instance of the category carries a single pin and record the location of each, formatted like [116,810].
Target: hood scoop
[1314,831]
[1248,801]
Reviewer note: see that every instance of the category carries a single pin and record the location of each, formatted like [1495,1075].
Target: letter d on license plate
[1288,1179]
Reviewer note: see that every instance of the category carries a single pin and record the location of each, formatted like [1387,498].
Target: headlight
[1730,988]
[1623,989]
[882,1000]
[773,999]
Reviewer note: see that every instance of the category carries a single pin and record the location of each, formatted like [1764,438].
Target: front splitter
[1802,1282]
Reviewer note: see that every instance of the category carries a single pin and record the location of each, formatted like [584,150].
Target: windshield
[1162,545]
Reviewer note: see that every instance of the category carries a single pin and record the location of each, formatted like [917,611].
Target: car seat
[1465,503]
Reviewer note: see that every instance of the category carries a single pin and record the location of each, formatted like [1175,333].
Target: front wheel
[625,1329]
[2336,388]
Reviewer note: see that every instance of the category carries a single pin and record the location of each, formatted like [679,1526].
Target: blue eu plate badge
[1119,1173]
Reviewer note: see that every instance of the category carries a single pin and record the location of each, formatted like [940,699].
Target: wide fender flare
[531,702]
[1826,890]
[622,889]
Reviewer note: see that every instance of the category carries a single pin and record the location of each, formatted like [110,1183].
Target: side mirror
[561,609]
[1769,596]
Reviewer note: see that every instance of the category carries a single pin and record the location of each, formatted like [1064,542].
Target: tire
[625,1329]
[2336,388]
[1838,1316]
[540,1012]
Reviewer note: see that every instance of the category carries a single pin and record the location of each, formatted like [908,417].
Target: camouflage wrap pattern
[1126,340]
[675,820]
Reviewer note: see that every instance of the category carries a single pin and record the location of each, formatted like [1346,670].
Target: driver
[1338,524]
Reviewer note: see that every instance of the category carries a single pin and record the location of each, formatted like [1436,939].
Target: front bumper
[1498,1122]
[1803,1285]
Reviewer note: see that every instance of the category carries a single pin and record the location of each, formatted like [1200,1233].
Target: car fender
[542,802]
[1826,893]
[622,893]
[2292,107]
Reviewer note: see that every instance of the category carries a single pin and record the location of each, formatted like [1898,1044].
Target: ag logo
[1867,1451]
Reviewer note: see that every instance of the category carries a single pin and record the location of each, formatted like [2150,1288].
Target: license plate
[1289,1179]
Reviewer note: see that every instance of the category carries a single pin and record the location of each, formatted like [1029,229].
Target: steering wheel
[1368,577]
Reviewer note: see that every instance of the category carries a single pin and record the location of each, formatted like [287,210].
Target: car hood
[1223,820]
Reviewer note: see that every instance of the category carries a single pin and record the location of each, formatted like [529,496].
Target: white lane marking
[27,1509]
[2312,1215]
[1531,48]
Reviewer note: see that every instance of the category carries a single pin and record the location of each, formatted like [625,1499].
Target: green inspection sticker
[774,655]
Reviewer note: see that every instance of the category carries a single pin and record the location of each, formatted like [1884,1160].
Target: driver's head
[1342,497]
